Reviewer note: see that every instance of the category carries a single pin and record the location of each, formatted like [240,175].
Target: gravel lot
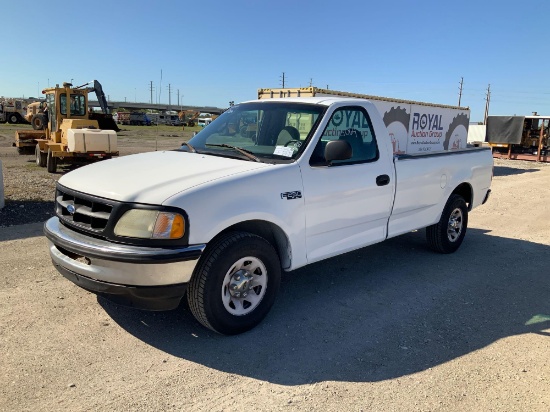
[29,190]
[385,328]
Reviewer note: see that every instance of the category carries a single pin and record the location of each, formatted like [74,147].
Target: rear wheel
[447,235]
[38,122]
[51,162]
[40,156]
[13,118]
[235,283]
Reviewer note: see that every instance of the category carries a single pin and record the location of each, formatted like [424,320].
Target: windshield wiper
[245,152]
[193,150]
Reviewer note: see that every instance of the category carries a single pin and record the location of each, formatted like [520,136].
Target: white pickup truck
[269,186]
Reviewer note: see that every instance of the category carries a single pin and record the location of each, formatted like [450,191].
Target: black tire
[25,150]
[447,235]
[13,118]
[219,268]
[40,156]
[51,162]
[38,121]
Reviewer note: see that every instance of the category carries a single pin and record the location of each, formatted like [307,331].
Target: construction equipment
[189,117]
[67,131]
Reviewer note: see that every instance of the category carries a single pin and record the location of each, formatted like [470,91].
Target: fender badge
[291,195]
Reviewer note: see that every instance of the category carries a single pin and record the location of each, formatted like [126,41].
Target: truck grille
[83,211]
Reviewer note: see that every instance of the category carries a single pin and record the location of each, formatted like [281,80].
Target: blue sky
[214,52]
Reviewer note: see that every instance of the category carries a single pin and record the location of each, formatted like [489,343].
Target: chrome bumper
[108,268]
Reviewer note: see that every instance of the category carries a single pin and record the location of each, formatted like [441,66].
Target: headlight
[150,224]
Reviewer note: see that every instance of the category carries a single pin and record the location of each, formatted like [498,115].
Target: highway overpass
[161,107]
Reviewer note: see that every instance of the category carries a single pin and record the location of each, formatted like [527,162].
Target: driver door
[348,203]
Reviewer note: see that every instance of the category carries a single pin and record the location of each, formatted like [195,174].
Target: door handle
[382,180]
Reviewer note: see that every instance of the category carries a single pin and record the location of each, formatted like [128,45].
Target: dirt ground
[385,328]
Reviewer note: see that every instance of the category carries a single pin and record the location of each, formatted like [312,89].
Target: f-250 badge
[291,195]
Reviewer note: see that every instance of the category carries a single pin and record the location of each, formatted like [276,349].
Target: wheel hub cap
[240,284]
[454,227]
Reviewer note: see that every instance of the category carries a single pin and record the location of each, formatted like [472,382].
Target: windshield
[267,130]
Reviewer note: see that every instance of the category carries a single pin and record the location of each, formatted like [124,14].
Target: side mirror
[338,150]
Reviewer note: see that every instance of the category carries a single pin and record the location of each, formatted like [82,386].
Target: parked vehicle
[139,119]
[123,118]
[67,132]
[204,121]
[269,186]
[153,118]
[13,111]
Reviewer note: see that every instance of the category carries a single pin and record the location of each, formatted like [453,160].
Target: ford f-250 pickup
[269,186]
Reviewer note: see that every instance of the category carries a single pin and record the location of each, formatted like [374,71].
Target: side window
[353,125]
[63,103]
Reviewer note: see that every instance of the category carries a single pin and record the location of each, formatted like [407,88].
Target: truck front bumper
[137,276]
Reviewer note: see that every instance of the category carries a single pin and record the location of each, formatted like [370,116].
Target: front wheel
[51,162]
[447,235]
[40,157]
[235,284]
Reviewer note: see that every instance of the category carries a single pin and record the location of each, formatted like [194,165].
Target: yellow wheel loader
[66,131]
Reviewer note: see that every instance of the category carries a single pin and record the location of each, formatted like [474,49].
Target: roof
[324,100]
[312,90]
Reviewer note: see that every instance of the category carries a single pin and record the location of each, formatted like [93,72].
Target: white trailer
[414,127]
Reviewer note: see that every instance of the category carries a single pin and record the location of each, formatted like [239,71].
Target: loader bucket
[105,121]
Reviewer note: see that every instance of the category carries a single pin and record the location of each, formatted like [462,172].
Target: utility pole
[169,95]
[151,88]
[487,102]
[310,82]
[460,90]
[283,80]
[178,97]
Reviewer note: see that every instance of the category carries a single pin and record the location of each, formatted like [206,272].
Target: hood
[153,177]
